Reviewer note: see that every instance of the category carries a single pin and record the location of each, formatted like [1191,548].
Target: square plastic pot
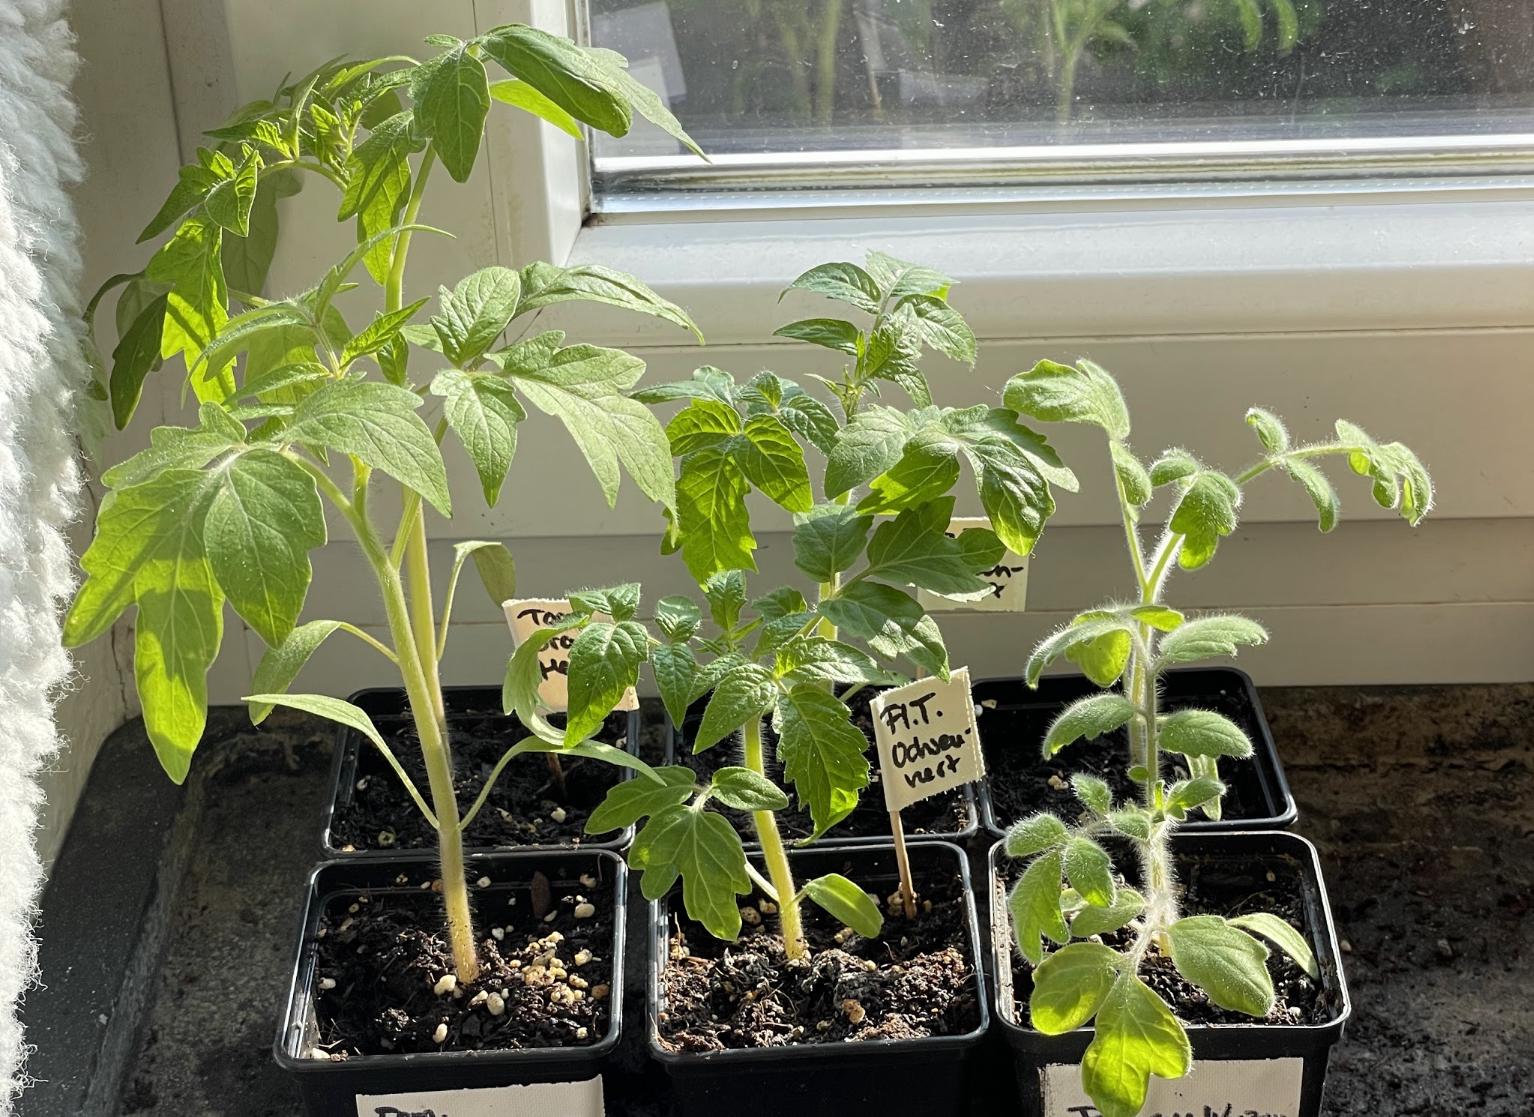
[330,1089]
[929,1076]
[1259,780]
[384,703]
[675,745]
[1245,852]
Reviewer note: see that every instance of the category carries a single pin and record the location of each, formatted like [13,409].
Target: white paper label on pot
[527,616]
[1008,579]
[927,737]
[541,1099]
[1214,1088]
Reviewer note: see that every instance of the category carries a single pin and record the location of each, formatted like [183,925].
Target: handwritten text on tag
[927,738]
[542,1099]
[1008,579]
[1217,1087]
[527,616]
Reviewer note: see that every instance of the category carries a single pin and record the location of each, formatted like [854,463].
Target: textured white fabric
[40,370]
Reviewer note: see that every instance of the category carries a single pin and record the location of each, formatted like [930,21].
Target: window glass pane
[796,76]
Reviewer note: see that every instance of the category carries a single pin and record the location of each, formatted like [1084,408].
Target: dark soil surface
[1013,721]
[1221,886]
[940,815]
[526,806]
[915,980]
[385,969]
[1421,800]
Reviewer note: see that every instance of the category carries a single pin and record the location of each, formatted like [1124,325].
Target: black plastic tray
[930,1076]
[329,1089]
[1032,1051]
[390,702]
[1260,778]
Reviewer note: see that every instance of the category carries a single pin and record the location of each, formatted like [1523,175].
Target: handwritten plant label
[927,737]
[541,1099]
[1008,579]
[1214,1088]
[527,616]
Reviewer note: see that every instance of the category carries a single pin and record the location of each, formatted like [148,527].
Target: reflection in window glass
[780,76]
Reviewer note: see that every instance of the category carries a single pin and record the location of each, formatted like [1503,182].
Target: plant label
[927,737]
[1008,579]
[530,614]
[1214,1088]
[541,1099]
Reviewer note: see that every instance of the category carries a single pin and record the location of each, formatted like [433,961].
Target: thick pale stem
[394,284]
[423,618]
[778,869]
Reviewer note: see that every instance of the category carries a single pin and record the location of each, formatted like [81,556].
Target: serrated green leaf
[136,354]
[843,282]
[915,548]
[702,424]
[1173,465]
[1205,513]
[1136,1036]
[829,539]
[772,461]
[630,800]
[229,201]
[1281,935]
[871,444]
[811,420]
[830,333]
[473,314]
[604,663]
[1224,961]
[747,692]
[1203,733]
[376,423]
[943,328]
[842,899]
[1185,795]
[927,469]
[563,72]
[282,663]
[1069,985]
[643,99]
[452,98]
[891,622]
[1035,907]
[678,618]
[261,524]
[706,851]
[1057,393]
[1087,718]
[1090,871]
[619,602]
[379,333]
[198,304]
[483,411]
[519,94]
[192,187]
[676,674]
[1090,920]
[745,790]
[712,519]
[1035,834]
[815,659]
[1207,637]
[899,279]
[726,593]
[822,753]
[545,284]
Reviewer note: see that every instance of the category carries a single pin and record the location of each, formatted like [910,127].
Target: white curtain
[41,369]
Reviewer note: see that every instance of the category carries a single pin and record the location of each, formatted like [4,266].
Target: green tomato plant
[297,408]
[784,654]
[1068,893]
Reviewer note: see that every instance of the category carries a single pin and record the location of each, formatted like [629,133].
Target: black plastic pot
[676,744]
[929,1076]
[385,704]
[1250,854]
[329,1089]
[1259,798]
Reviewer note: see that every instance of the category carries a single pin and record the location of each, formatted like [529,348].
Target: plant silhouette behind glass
[289,393]
[1131,644]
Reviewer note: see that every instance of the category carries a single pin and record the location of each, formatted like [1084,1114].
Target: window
[985,93]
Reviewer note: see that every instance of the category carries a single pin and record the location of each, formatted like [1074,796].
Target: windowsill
[1114,265]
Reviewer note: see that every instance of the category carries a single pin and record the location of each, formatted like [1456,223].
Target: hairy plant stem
[778,869]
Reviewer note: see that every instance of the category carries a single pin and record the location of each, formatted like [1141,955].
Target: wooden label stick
[907,885]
